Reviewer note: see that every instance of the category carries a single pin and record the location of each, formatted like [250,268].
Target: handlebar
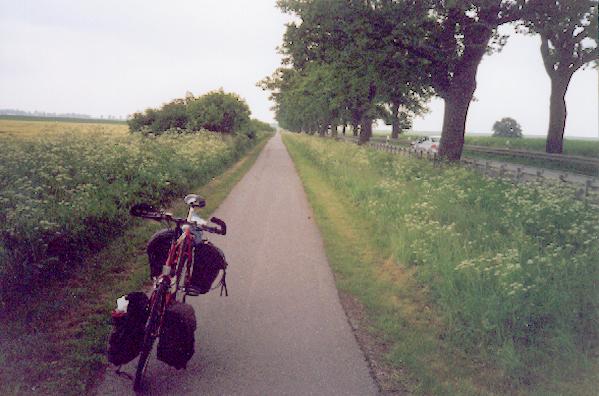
[149,212]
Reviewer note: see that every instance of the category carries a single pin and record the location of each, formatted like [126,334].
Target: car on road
[427,143]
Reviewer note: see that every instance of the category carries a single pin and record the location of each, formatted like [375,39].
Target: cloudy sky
[117,57]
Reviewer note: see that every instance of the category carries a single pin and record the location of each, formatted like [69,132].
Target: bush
[215,111]
[140,121]
[218,111]
[172,115]
[256,126]
[507,127]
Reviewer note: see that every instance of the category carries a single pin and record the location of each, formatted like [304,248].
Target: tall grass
[65,195]
[512,269]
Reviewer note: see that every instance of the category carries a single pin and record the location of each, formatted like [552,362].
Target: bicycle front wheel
[150,334]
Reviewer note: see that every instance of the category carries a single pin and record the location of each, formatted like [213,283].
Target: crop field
[35,129]
[66,188]
[510,270]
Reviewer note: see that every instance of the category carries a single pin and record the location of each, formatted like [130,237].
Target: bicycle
[168,285]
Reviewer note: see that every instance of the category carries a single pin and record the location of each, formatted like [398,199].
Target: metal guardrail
[584,187]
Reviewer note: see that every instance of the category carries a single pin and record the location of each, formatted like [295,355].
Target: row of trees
[349,62]
[215,111]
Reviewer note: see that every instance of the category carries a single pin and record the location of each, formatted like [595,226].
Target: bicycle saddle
[195,201]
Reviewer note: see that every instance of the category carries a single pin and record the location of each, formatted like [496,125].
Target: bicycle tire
[149,338]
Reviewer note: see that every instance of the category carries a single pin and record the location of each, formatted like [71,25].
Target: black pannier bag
[207,263]
[127,334]
[177,341]
[158,248]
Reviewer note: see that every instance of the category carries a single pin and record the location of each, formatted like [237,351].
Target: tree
[341,35]
[353,40]
[507,127]
[568,31]
[452,36]
[218,111]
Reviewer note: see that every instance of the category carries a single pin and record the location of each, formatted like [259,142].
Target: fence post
[518,174]
[540,174]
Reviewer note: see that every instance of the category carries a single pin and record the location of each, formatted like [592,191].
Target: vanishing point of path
[282,330]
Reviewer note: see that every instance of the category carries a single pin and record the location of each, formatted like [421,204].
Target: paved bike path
[282,329]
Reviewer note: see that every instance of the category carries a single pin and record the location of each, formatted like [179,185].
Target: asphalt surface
[282,330]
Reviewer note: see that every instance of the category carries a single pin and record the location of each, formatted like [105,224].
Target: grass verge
[412,305]
[54,342]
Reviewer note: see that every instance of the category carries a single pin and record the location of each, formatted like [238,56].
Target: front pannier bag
[176,343]
[127,334]
[207,263]
[158,248]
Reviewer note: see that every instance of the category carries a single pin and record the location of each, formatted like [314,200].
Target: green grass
[472,285]
[54,340]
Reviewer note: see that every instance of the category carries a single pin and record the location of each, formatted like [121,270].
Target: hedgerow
[66,195]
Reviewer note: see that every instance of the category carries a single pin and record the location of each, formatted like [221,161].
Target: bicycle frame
[168,284]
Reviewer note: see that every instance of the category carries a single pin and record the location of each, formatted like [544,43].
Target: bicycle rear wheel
[150,334]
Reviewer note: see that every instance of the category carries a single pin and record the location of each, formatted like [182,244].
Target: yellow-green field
[36,129]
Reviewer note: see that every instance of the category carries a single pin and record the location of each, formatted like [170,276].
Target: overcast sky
[117,57]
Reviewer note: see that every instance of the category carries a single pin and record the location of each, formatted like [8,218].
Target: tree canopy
[568,31]
[507,127]
[352,61]
[340,67]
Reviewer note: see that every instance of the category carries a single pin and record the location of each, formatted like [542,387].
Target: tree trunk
[366,130]
[557,113]
[366,121]
[343,130]
[454,126]
[457,101]
[322,130]
[355,129]
[459,91]
[334,129]
[395,130]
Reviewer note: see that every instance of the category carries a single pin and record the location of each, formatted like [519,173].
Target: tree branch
[546,55]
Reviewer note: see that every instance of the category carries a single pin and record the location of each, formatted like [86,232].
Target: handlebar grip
[221,224]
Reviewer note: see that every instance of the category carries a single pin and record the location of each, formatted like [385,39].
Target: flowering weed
[513,270]
[64,194]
